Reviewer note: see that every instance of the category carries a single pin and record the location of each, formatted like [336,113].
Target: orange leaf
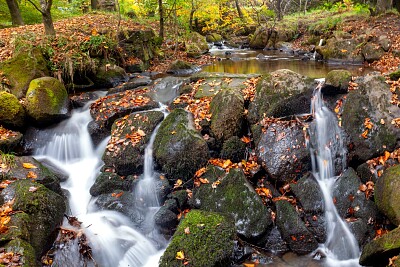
[204,181]
[365,134]
[245,139]
[31,175]
[200,172]
[117,195]
[226,164]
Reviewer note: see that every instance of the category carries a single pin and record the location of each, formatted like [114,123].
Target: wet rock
[365,174]
[372,101]
[10,140]
[196,45]
[233,149]
[47,101]
[44,207]
[179,67]
[25,250]
[108,76]
[12,113]
[107,182]
[179,150]
[158,186]
[130,85]
[283,152]
[274,91]
[387,196]
[235,196]
[372,52]
[165,218]
[275,243]
[227,109]
[18,227]
[210,242]
[336,82]
[166,89]
[129,138]
[378,251]
[181,198]
[293,230]
[213,38]
[22,69]
[78,101]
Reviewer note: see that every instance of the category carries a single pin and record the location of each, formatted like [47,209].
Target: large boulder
[378,251]
[387,196]
[293,229]
[196,44]
[204,238]
[22,69]
[372,52]
[342,50]
[108,182]
[235,196]
[227,108]
[281,93]
[12,113]
[47,100]
[44,207]
[179,150]
[282,151]
[370,102]
[108,76]
[180,67]
[129,138]
[336,82]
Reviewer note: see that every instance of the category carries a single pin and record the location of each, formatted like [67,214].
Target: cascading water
[341,247]
[112,237]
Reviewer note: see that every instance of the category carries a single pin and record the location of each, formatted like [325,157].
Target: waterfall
[112,237]
[341,247]
[319,44]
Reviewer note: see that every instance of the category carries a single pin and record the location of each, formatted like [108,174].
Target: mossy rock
[12,113]
[10,139]
[127,155]
[109,76]
[371,100]
[213,38]
[293,229]
[336,82]
[47,100]
[107,182]
[25,250]
[394,76]
[233,149]
[195,45]
[378,251]
[227,109]
[44,207]
[387,194]
[372,52]
[273,92]
[18,227]
[22,69]
[179,150]
[342,50]
[235,196]
[209,243]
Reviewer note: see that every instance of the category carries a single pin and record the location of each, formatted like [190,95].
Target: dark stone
[78,101]
[336,82]
[165,218]
[233,149]
[107,182]
[130,85]
[275,243]
[108,76]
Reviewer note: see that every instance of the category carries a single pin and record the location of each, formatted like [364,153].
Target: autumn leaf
[365,134]
[204,181]
[245,139]
[141,133]
[117,195]
[178,183]
[28,165]
[32,189]
[173,132]
[187,230]
[200,172]
[180,255]
[226,164]
[31,175]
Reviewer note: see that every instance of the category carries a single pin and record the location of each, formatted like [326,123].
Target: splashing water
[326,145]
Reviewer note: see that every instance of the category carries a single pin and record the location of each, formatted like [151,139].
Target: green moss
[24,249]
[209,243]
[11,111]
[339,78]
[394,76]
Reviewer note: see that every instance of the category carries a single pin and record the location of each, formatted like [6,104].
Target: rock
[18,227]
[165,218]
[47,101]
[22,69]
[107,182]
[275,243]
[378,251]
[213,37]
[293,230]
[394,76]
[372,52]
[227,109]
[275,90]
[210,242]
[233,149]
[25,250]
[384,42]
[108,76]
[12,113]
[108,109]
[387,196]
[365,174]
[167,89]
[179,150]
[78,101]
[129,138]
[235,196]
[44,207]
[283,152]
[10,139]
[179,67]
[309,194]
[130,85]
[195,45]
[371,100]
[336,82]
[341,50]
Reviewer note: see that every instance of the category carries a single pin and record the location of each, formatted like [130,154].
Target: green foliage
[8,159]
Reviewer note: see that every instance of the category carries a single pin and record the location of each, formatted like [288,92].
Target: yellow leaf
[28,165]
[343,50]
[226,164]
[180,255]
[178,183]
[94,32]
[173,132]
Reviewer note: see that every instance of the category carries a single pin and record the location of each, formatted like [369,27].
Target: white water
[319,44]
[341,247]
[111,235]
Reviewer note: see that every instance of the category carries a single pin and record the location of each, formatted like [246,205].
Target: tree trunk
[383,5]
[239,10]
[279,9]
[161,13]
[191,15]
[94,4]
[15,13]
[46,17]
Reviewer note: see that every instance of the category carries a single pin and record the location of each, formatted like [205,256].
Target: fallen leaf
[31,175]
[117,195]
[28,165]
[180,255]
[173,132]
[187,230]
[178,183]
[141,133]
[32,189]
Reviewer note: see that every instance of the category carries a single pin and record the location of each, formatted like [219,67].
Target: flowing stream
[341,247]
[112,237]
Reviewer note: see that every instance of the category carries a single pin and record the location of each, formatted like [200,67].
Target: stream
[113,238]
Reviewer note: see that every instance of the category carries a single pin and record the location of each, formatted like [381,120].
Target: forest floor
[73,32]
